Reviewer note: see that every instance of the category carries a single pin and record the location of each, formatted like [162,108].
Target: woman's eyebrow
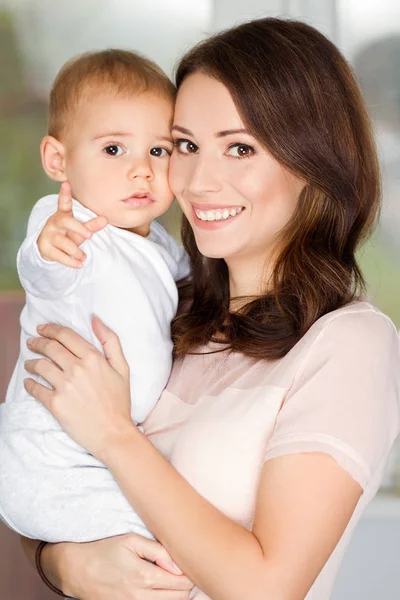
[231,132]
[219,134]
[181,130]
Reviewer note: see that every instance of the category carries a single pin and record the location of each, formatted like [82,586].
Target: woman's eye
[114,150]
[160,152]
[241,150]
[185,146]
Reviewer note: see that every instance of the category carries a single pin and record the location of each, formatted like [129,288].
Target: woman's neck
[248,278]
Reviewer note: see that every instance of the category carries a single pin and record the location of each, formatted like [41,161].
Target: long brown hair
[298,97]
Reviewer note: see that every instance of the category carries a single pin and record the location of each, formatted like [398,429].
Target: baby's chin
[142,229]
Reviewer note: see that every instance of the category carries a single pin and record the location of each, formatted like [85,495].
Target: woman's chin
[214,249]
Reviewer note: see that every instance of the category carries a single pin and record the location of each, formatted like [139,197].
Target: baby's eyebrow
[163,138]
[112,134]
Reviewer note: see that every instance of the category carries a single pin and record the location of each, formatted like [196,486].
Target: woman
[283,402]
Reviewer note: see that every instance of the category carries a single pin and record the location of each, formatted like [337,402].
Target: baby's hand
[62,234]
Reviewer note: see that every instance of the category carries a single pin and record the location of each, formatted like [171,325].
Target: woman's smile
[235,195]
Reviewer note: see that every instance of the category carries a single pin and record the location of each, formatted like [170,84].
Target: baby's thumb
[96,224]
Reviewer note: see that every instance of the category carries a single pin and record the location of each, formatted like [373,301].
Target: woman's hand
[90,396]
[128,567]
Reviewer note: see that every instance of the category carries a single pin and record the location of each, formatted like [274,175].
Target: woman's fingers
[66,337]
[152,551]
[45,369]
[111,346]
[166,595]
[155,578]
[165,574]
[40,392]
[52,349]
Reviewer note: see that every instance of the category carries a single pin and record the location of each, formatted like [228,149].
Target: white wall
[50,32]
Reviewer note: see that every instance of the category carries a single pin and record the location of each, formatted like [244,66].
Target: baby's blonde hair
[120,72]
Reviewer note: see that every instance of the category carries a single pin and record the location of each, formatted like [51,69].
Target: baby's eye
[186,146]
[241,150]
[160,152]
[114,150]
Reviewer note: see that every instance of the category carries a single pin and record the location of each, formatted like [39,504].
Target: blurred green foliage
[22,125]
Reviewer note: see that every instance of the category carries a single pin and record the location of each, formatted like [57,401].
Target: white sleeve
[40,277]
[182,262]
[180,265]
[345,400]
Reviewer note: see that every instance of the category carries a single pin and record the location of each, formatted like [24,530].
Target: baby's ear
[53,158]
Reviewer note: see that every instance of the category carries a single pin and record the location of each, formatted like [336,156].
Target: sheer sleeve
[344,400]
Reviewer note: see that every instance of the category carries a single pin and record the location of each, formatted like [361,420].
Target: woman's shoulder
[360,320]
[356,333]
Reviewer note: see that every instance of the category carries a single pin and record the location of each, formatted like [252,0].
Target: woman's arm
[304,504]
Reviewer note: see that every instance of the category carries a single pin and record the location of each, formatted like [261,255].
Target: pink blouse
[337,391]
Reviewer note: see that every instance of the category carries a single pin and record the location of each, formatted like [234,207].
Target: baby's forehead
[101,110]
[112,95]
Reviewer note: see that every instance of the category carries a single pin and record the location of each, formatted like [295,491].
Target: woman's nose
[204,177]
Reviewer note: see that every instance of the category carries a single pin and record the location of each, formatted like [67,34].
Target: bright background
[37,36]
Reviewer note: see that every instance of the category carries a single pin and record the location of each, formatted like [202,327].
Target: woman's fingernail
[177,569]
[40,327]
[30,341]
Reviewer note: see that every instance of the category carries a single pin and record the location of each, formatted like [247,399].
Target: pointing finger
[65,198]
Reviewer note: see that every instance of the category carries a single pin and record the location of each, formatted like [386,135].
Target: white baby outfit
[50,488]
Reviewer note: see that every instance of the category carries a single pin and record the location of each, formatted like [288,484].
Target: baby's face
[117,156]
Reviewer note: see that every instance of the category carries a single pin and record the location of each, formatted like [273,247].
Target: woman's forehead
[204,101]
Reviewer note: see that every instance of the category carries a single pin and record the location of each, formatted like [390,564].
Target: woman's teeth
[218,215]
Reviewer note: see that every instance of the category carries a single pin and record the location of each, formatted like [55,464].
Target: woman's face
[236,196]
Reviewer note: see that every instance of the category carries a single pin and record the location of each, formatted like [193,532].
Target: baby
[109,143]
